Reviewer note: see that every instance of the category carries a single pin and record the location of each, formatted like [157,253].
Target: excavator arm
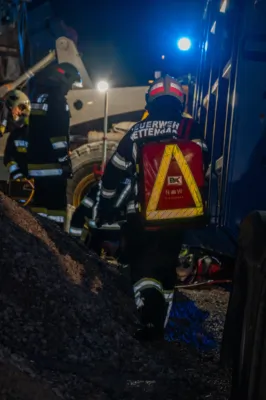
[86,104]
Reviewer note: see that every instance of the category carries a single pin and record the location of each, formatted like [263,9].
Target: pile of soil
[67,321]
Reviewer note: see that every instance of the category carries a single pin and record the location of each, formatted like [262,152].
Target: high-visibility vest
[171,182]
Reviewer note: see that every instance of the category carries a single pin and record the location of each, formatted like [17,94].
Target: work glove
[17,176]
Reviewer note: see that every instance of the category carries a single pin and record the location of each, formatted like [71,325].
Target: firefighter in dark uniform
[152,255]
[15,155]
[48,155]
[15,112]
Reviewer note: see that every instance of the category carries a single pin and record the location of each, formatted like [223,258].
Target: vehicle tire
[244,330]
[83,159]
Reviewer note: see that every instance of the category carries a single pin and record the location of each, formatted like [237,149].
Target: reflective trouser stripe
[56,218]
[168,297]
[57,215]
[46,172]
[142,284]
[77,232]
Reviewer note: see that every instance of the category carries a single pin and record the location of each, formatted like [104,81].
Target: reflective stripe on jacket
[44,170]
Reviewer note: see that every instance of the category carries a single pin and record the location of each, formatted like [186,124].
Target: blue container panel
[246,188]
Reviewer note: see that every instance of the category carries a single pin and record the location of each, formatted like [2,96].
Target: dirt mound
[67,321]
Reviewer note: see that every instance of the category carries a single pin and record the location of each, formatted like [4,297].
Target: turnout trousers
[50,198]
[153,259]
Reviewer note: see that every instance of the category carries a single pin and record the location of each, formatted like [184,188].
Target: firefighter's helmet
[66,74]
[18,99]
[165,86]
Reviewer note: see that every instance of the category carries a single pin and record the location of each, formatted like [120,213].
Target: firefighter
[48,155]
[14,110]
[15,155]
[152,254]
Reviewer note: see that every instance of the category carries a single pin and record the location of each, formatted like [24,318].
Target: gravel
[67,321]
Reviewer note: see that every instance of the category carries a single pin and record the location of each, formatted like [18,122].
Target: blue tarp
[186,325]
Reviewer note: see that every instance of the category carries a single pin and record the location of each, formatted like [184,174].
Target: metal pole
[105,128]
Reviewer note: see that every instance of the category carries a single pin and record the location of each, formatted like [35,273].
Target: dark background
[123,41]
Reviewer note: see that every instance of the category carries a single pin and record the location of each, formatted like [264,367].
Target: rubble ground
[67,321]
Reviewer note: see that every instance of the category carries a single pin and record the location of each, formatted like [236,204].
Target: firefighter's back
[45,118]
[166,151]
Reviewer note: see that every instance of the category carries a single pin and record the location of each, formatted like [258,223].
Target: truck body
[230,101]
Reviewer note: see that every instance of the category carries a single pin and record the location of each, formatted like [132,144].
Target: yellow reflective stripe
[188,176]
[2,128]
[177,213]
[22,149]
[170,151]
[38,112]
[58,139]
[43,166]
[145,115]
[57,213]
[11,163]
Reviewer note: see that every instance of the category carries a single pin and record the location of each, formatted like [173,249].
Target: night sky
[124,41]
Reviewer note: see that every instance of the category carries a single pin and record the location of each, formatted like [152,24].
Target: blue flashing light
[184,44]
